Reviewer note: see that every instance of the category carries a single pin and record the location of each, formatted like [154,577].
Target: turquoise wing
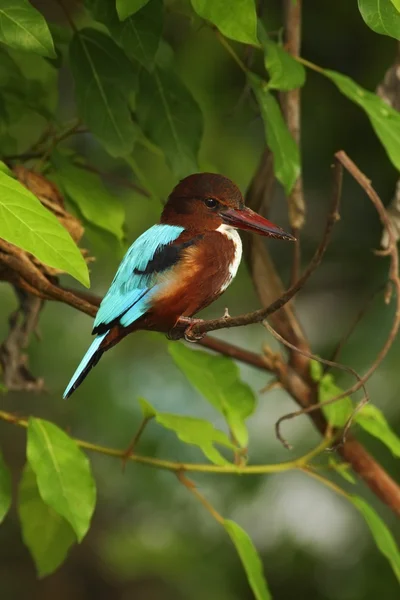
[129,295]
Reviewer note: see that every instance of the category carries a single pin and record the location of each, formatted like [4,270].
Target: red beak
[247,219]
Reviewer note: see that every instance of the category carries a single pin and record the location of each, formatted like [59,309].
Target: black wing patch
[166,257]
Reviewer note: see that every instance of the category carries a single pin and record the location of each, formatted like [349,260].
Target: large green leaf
[384,119]
[140,34]
[250,560]
[103,81]
[191,430]
[284,71]
[91,197]
[281,143]
[236,20]
[217,379]
[47,535]
[126,8]
[24,28]
[381,534]
[29,225]
[381,16]
[5,488]
[372,420]
[63,474]
[171,118]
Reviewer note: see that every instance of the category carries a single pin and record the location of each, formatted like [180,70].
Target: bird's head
[205,201]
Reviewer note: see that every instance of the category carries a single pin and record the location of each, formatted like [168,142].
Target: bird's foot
[226,314]
[189,334]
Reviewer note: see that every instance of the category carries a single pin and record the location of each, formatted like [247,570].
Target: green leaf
[281,143]
[191,430]
[140,34]
[171,118]
[396,3]
[384,119]
[284,71]
[5,169]
[217,379]
[343,469]
[380,532]
[47,535]
[250,560]
[381,16]
[316,370]
[236,20]
[25,222]
[103,81]
[338,412]
[24,28]
[91,197]
[126,8]
[147,410]
[372,420]
[63,474]
[5,489]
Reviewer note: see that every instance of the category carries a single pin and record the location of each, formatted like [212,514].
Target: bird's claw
[226,314]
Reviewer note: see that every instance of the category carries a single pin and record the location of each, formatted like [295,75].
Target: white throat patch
[232,235]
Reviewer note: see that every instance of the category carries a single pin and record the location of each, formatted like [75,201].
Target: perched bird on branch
[178,267]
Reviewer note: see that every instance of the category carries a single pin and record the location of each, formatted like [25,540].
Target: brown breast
[202,274]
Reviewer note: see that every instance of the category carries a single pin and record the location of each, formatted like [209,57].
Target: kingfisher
[177,267]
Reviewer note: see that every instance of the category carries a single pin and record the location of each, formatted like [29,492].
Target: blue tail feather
[90,359]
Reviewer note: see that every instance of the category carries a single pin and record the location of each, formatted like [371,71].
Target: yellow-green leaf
[63,474]
[384,119]
[47,535]
[217,379]
[380,532]
[23,27]
[191,430]
[381,16]
[281,143]
[236,20]
[284,71]
[372,420]
[25,222]
[338,412]
[250,560]
[5,488]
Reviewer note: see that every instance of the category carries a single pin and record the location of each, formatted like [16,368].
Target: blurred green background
[149,539]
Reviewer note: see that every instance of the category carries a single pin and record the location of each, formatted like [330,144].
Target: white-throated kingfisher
[178,267]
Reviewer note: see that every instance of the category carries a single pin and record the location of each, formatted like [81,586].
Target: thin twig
[309,409]
[393,269]
[361,313]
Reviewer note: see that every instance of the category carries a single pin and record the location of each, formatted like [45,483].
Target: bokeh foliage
[139,114]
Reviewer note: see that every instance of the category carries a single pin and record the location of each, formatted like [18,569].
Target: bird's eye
[210,202]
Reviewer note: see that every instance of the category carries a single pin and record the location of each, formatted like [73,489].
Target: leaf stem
[193,490]
[224,42]
[309,471]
